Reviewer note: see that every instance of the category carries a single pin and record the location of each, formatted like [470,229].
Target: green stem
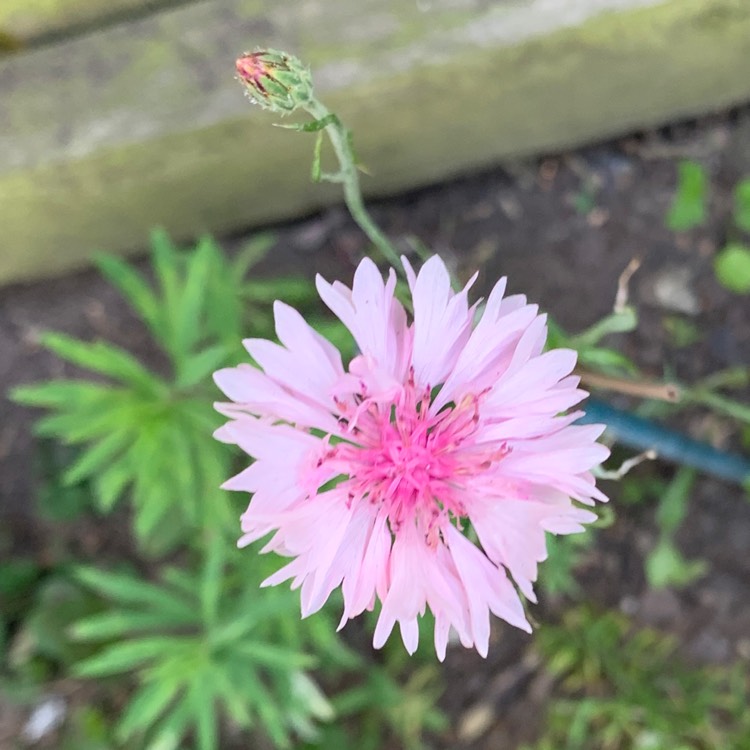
[349,178]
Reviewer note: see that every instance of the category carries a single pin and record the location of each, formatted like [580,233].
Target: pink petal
[442,321]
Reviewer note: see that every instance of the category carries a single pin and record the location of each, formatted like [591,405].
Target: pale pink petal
[255,393]
[373,315]
[487,589]
[531,380]
[442,321]
[368,571]
[489,350]
[362,477]
[280,444]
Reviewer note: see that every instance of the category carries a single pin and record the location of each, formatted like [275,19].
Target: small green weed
[688,208]
[625,689]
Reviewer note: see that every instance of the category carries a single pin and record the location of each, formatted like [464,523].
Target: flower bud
[275,80]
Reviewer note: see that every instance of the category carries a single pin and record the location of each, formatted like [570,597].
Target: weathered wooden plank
[103,137]
[26,22]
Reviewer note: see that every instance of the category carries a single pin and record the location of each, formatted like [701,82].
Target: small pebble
[46,717]
[672,290]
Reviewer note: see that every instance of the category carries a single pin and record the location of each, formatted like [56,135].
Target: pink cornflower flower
[426,471]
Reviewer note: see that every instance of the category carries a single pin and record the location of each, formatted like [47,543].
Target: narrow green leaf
[129,590]
[136,291]
[211,579]
[274,657]
[224,311]
[78,426]
[92,459]
[57,393]
[619,322]
[742,205]
[156,526]
[183,581]
[124,657]
[147,704]
[162,493]
[123,622]
[251,254]
[316,171]
[245,615]
[673,505]
[231,697]
[171,442]
[201,696]
[313,126]
[274,723]
[722,404]
[172,728]
[121,410]
[607,360]
[312,697]
[200,418]
[110,484]
[557,338]
[666,566]
[167,263]
[104,358]
[688,208]
[200,366]
[189,312]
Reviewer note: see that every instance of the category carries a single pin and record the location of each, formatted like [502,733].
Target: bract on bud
[275,80]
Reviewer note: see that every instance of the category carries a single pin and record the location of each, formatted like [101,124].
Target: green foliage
[40,646]
[384,706]
[682,332]
[710,393]
[210,649]
[87,729]
[564,555]
[58,500]
[198,303]
[202,647]
[206,646]
[18,579]
[567,552]
[665,565]
[688,208]
[140,434]
[732,268]
[742,205]
[150,436]
[625,689]
[591,353]
[394,702]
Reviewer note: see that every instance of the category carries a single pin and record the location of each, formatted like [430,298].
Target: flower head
[370,477]
[275,80]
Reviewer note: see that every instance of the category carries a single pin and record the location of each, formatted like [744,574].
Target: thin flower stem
[349,178]
[669,392]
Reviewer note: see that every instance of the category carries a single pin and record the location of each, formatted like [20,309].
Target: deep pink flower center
[410,461]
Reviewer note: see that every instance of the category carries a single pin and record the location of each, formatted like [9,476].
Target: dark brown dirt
[562,229]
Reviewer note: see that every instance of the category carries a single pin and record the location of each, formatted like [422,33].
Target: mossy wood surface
[104,136]
[28,22]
